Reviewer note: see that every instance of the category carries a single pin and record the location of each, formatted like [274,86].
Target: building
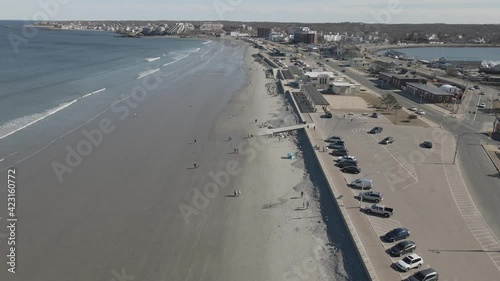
[263,32]
[358,62]
[382,66]
[278,37]
[303,35]
[400,80]
[344,88]
[320,77]
[211,26]
[428,93]
[315,98]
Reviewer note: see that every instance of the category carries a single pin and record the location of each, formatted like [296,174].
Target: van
[362,183]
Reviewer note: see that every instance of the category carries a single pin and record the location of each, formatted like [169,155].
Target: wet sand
[136,206]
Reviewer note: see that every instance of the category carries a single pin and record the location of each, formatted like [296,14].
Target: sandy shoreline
[121,208]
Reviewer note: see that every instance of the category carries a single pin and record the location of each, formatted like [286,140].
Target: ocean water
[457,54]
[55,81]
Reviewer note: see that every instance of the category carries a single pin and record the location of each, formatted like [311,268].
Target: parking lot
[425,190]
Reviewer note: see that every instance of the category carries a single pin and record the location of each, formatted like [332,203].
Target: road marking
[472,217]
[412,174]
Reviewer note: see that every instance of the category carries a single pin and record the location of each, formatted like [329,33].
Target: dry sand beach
[136,206]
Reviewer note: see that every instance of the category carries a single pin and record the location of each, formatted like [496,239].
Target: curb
[491,159]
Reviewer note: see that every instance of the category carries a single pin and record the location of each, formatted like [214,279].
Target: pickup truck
[379,209]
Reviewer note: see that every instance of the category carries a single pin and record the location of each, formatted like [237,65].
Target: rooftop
[430,89]
[316,96]
[294,70]
[315,74]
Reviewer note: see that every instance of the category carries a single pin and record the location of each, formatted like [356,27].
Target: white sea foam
[95,92]
[146,73]
[207,42]
[152,59]
[181,56]
[15,125]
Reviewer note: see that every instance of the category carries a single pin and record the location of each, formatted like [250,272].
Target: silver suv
[374,196]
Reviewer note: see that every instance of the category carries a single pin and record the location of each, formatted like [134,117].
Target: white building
[210,26]
[357,62]
[344,88]
[278,37]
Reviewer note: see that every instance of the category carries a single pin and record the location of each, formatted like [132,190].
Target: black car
[427,144]
[397,234]
[376,130]
[402,248]
[328,115]
[334,139]
[340,152]
[338,142]
[351,170]
[387,140]
[347,162]
[374,115]
[336,146]
[428,274]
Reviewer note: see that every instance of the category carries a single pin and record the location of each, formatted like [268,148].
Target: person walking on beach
[307,205]
[235,193]
[301,194]
[229,139]
[195,165]
[255,120]
[194,140]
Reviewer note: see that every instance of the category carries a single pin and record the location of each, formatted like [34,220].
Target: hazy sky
[373,11]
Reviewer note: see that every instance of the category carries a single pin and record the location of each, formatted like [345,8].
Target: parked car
[376,130]
[413,108]
[387,140]
[428,274]
[347,162]
[333,139]
[374,196]
[336,146]
[340,152]
[476,87]
[338,142]
[421,112]
[482,105]
[397,234]
[379,210]
[345,157]
[362,183]
[351,170]
[482,93]
[402,248]
[374,115]
[410,262]
[427,144]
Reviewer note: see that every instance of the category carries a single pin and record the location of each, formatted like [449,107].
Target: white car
[482,105]
[413,108]
[346,157]
[410,262]
[421,112]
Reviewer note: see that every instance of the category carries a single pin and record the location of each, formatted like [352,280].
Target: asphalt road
[476,167]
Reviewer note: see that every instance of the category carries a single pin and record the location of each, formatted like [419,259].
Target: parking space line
[476,223]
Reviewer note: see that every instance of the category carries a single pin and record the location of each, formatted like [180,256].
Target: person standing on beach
[194,140]
[301,194]
[307,205]
[195,165]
